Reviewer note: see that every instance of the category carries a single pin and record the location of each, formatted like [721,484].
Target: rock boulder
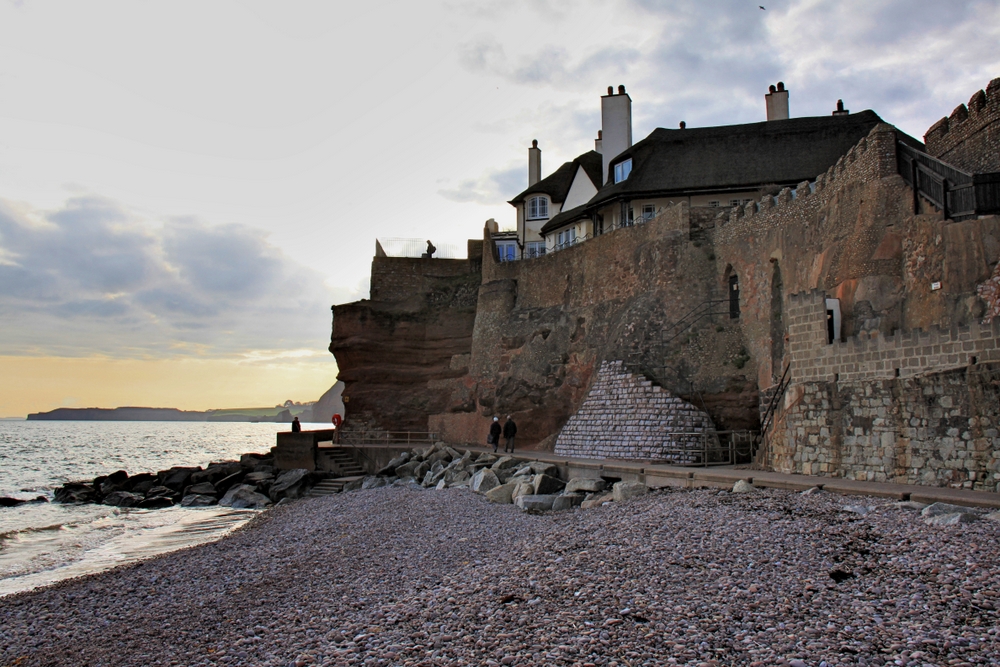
[623,491]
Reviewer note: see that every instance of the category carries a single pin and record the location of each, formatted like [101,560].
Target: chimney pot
[611,90]
[534,143]
[600,134]
[841,111]
[621,90]
[776,102]
[683,125]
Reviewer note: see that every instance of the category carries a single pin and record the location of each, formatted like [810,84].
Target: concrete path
[657,475]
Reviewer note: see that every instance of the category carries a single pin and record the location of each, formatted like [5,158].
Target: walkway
[657,476]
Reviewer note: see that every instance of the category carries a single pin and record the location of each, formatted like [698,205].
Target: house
[572,185]
[619,184]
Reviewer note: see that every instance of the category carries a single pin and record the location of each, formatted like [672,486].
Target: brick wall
[915,407]
[904,354]
[970,137]
[626,417]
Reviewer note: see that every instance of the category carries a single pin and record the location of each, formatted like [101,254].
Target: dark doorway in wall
[777,324]
[734,297]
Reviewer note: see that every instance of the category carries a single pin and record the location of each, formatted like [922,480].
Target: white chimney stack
[534,163]
[616,126]
[777,102]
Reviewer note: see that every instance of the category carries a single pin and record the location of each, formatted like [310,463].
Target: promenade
[724,477]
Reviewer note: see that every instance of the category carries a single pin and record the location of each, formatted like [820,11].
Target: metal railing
[415,248]
[388,438]
[605,229]
[710,448]
[760,456]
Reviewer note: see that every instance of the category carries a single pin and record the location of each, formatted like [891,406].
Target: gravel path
[395,576]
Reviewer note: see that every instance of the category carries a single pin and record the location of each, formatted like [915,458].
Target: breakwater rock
[250,483]
[533,486]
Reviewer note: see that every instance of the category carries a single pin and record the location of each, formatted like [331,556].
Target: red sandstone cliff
[397,351]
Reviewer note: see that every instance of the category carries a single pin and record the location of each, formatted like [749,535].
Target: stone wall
[970,138]
[625,416]
[544,325]
[839,233]
[916,407]
[938,429]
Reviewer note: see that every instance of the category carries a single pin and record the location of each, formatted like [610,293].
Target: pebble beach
[397,576]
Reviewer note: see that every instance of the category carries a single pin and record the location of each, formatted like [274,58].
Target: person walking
[495,430]
[296,426]
[509,431]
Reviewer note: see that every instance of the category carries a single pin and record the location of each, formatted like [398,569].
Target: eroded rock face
[399,351]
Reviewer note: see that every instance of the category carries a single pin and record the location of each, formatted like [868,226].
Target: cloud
[549,65]
[496,185]
[94,278]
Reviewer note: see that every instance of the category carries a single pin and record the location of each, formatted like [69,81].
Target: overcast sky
[191,185]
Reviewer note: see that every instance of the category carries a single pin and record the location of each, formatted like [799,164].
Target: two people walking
[509,431]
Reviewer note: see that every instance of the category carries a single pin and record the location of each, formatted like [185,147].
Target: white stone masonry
[626,417]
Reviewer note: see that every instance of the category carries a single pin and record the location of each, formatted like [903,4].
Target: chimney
[777,102]
[534,163]
[598,142]
[616,126]
[840,110]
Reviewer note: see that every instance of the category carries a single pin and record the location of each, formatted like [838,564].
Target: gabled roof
[734,157]
[557,184]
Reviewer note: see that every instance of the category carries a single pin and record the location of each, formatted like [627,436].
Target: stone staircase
[330,486]
[340,460]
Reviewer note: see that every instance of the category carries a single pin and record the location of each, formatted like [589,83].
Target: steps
[330,486]
[341,461]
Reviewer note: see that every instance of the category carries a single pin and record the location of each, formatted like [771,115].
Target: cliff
[398,351]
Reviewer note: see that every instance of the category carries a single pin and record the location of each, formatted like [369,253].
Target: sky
[187,187]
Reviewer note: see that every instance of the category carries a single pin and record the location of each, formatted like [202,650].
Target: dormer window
[622,170]
[538,208]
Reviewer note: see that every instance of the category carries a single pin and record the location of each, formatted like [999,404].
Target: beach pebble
[400,576]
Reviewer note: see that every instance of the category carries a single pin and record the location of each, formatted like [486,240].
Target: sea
[43,543]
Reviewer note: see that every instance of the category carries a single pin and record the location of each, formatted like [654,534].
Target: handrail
[730,450]
[957,193]
[772,407]
[704,309]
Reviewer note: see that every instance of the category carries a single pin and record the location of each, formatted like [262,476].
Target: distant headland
[319,411]
[139,414]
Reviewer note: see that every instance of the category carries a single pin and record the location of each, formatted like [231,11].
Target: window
[715,203]
[648,211]
[535,249]
[567,237]
[622,170]
[626,216]
[507,251]
[739,202]
[538,208]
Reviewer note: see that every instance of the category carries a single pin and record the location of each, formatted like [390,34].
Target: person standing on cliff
[494,438]
[509,431]
[296,426]
[430,249]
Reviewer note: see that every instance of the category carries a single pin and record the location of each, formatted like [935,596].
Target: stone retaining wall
[626,417]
